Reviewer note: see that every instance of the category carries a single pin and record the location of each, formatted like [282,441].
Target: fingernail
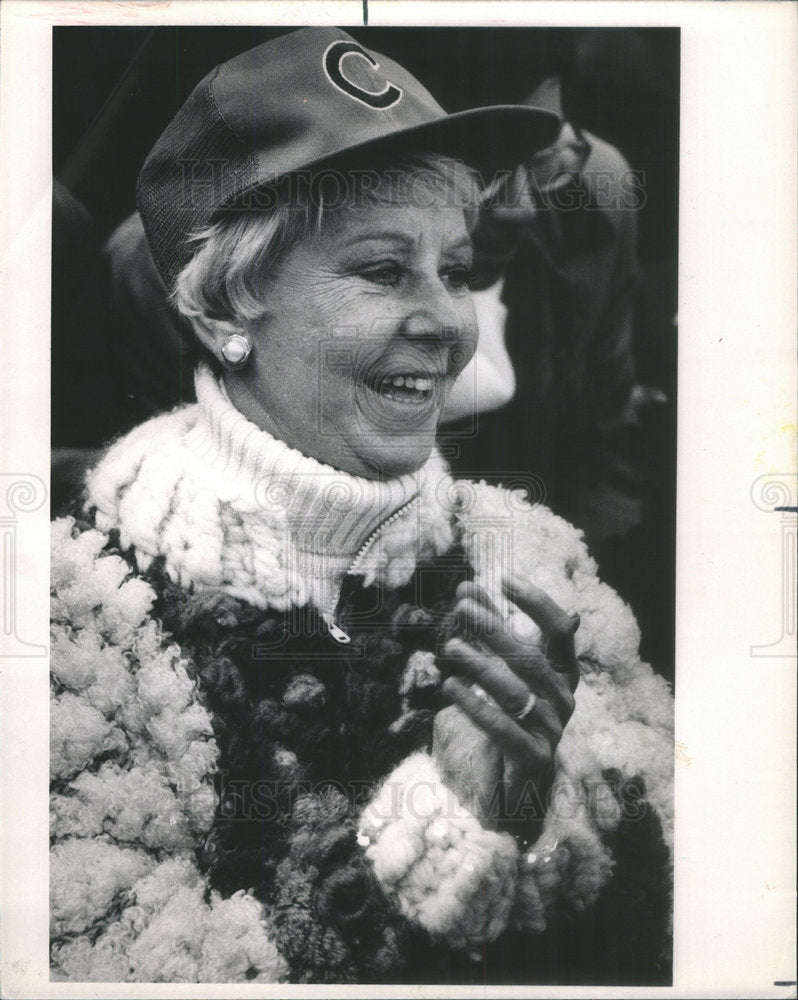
[576,621]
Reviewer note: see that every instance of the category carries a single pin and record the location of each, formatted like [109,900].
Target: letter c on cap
[334,56]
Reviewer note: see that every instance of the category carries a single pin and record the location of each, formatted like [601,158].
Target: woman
[317,708]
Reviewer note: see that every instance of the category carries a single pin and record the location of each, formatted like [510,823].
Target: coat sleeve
[132,755]
[434,858]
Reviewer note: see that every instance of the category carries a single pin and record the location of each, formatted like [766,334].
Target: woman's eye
[384,274]
[391,274]
[458,278]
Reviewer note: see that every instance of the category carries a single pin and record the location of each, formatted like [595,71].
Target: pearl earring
[235,351]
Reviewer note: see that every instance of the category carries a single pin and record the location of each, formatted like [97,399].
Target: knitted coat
[238,796]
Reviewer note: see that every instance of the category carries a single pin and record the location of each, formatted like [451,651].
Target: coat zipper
[329,616]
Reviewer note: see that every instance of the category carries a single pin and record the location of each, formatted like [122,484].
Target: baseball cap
[302,101]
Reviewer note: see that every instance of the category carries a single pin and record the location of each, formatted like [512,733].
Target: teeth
[409,382]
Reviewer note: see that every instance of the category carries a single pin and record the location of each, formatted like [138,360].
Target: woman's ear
[226,341]
[212,333]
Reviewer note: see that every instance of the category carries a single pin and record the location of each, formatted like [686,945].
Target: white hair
[224,278]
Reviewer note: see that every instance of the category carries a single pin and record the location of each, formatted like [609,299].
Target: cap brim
[489,139]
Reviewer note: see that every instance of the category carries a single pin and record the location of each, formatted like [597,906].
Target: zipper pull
[338,633]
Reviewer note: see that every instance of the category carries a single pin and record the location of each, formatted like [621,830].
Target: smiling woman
[321,713]
[372,271]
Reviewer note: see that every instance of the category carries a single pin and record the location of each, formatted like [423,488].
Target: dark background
[116,88]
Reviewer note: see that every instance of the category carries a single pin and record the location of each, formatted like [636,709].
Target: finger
[468,760]
[491,674]
[556,624]
[528,662]
[475,618]
[539,606]
[530,749]
[469,589]
[544,717]
[453,733]
[480,618]
[547,721]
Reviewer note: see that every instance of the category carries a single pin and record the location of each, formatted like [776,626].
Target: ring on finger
[530,704]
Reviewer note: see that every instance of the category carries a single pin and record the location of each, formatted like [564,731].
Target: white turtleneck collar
[228,506]
[329,512]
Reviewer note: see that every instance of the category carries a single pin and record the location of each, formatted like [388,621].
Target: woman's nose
[426,326]
[443,325]
[432,315]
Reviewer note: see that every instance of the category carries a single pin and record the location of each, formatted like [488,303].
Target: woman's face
[367,324]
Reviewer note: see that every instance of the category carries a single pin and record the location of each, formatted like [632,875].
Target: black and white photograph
[367,444]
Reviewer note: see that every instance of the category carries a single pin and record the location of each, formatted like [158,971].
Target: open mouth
[414,389]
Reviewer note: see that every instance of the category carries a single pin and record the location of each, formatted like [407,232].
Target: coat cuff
[434,859]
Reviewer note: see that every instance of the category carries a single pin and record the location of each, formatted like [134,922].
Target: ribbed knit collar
[229,507]
[330,513]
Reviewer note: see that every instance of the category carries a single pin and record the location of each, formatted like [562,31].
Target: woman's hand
[512,698]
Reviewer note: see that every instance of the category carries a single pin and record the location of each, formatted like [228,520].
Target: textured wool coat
[239,796]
